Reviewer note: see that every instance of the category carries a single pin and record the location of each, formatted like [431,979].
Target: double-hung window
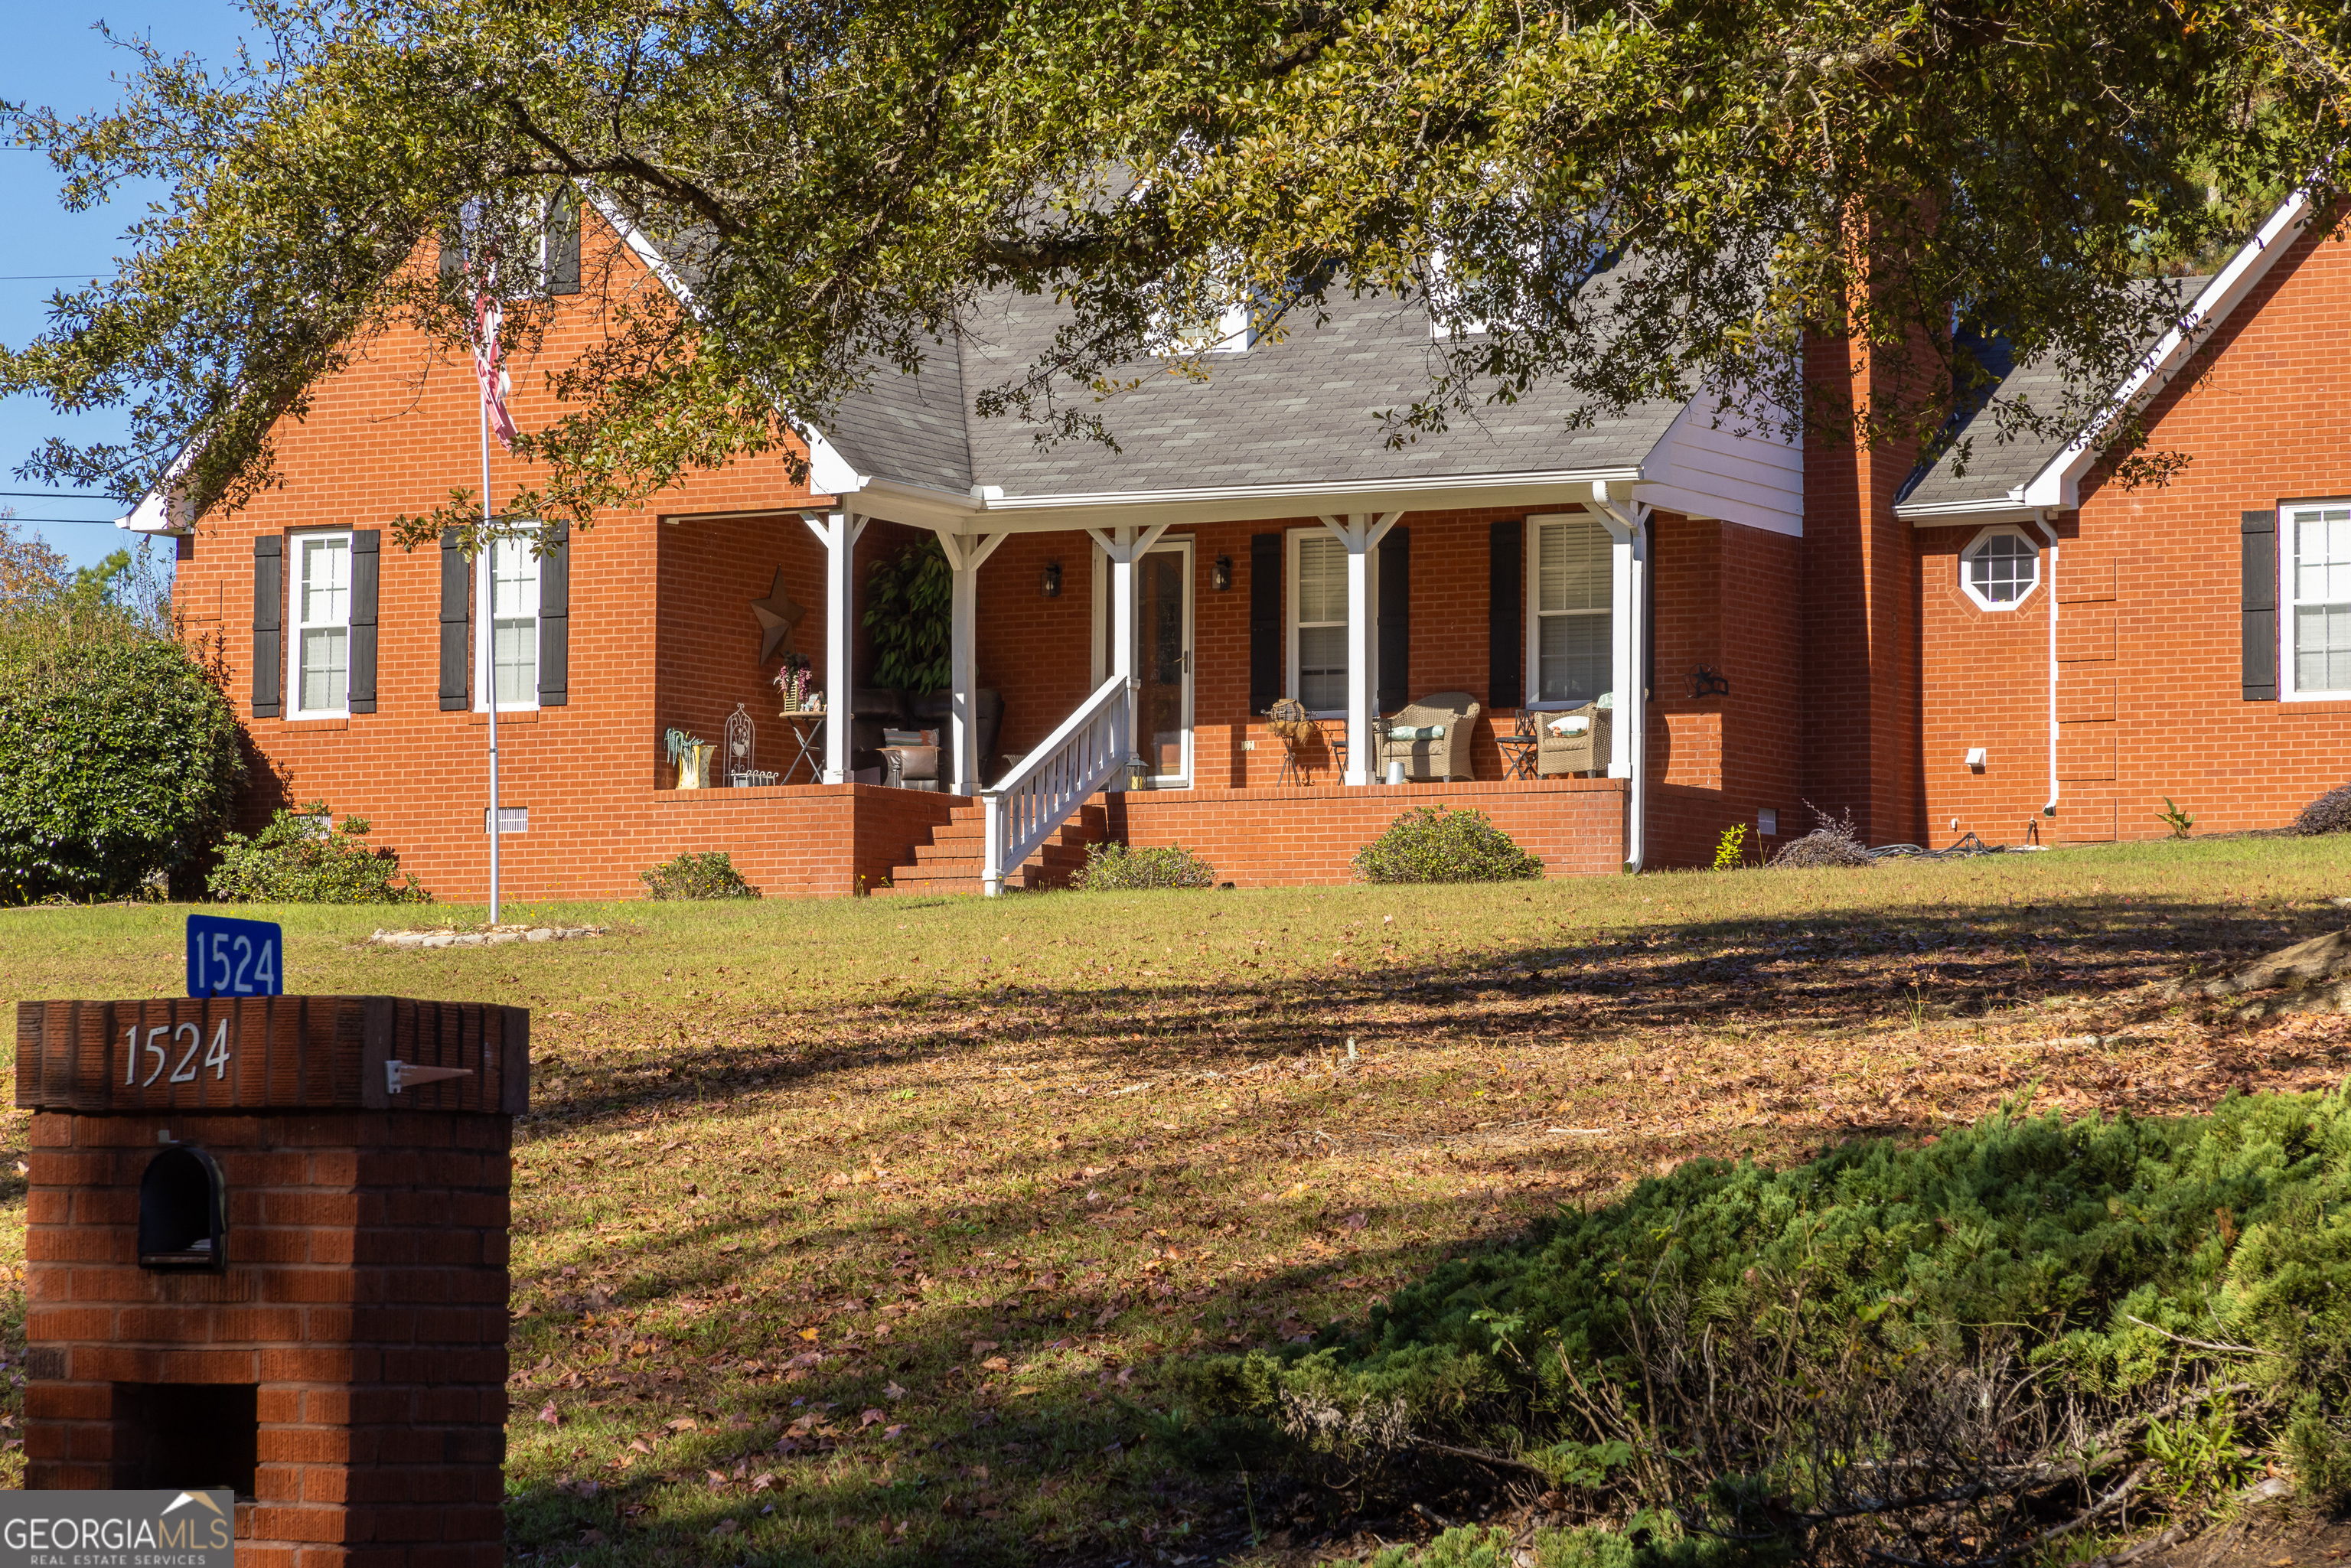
[1318,620]
[1571,624]
[513,623]
[320,649]
[2318,579]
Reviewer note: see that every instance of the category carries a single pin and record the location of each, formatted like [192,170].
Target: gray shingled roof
[1304,411]
[1997,467]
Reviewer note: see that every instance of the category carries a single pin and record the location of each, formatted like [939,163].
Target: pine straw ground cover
[866,1232]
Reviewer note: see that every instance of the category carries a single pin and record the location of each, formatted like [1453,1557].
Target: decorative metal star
[777,615]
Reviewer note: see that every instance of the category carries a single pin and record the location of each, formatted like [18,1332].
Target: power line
[60,494]
[43,276]
[94,522]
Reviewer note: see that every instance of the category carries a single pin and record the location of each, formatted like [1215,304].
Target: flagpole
[486,651]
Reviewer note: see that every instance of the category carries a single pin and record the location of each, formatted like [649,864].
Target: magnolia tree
[1640,198]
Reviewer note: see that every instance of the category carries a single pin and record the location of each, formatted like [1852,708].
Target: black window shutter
[457,583]
[563,243]
[555,615]
[1265,621]
[2259,604]
[269,623]
[1506,658]
[1396,620]
[367,555]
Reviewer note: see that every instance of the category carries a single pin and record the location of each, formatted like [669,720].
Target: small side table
[1519,748]
[807,730]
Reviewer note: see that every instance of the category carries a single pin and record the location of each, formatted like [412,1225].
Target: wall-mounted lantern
[1220,573]
[1049,584]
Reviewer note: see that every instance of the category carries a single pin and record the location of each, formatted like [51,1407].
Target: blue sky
[55,58]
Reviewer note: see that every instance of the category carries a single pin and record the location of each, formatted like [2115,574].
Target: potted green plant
[690,755]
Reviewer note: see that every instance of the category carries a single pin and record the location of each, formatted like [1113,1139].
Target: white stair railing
[1029,804]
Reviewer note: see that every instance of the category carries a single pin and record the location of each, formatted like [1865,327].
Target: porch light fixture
[1050,585]
[1220,573]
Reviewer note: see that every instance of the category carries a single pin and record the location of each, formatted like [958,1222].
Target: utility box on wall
[267,1250]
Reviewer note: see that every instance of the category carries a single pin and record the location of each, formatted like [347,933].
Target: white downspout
[2049,581]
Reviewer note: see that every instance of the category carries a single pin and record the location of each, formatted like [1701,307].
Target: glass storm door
[1162,661]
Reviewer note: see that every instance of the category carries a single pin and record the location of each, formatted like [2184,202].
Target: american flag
[489,371]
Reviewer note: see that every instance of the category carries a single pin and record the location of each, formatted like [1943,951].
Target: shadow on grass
[1039,1458]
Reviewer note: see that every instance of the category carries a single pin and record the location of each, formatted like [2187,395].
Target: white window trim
[295,626]
[1290,577]
[1530,574]
[486,642]
[1967,578]
[2289,689]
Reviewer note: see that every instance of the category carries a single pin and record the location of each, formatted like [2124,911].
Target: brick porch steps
[952,860]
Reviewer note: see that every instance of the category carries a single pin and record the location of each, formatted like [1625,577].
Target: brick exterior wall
[1861,636]
[2150,695]
[364,1302]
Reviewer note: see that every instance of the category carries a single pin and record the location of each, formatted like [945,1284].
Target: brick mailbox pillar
[267,1250]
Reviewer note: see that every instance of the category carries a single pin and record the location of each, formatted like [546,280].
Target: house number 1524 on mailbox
[235,957]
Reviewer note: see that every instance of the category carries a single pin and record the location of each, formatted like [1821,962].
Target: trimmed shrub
[304,857]
[1114,868]
[1429,843]
[708,875]
[1756,1351]
[2330,814]
[119,756]
[1834,841]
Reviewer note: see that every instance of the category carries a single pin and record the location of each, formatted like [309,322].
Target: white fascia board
[641,245]
[829,473]
[164,510]
[1241,501]
[2058,484]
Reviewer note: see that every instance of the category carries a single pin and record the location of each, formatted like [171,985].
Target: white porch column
[966,553]
[1123,547]
[1628,522]
[839,533]
[1361,532]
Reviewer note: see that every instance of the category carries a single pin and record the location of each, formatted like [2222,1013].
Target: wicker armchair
[1585,752]
[1446,755]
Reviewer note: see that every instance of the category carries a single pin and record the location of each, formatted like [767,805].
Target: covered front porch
[1138,661]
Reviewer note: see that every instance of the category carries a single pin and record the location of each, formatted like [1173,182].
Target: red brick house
[1774,625]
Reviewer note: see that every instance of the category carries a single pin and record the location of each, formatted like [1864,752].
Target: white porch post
[1123,547]
[1628,522]
[1362,534]
[966,553]
[839,533]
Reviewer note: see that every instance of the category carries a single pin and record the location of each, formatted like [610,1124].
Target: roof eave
[2057,486]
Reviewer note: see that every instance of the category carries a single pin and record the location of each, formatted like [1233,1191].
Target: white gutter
[1419,484]
[2049,583]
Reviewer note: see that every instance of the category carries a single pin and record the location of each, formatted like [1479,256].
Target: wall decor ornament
[778,615]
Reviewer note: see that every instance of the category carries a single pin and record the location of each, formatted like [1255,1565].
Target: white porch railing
[1029,804]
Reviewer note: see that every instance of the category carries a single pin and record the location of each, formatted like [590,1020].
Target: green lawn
[864,1231]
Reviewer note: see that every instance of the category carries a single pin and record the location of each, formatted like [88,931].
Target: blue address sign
[235,957]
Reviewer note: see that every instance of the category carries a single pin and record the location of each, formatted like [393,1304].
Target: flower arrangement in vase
[793,681]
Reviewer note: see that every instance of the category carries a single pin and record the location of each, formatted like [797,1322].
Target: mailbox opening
[182,1211]
[188,1436]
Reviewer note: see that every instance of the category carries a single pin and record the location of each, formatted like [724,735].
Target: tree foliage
[838,185]
[119,754]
